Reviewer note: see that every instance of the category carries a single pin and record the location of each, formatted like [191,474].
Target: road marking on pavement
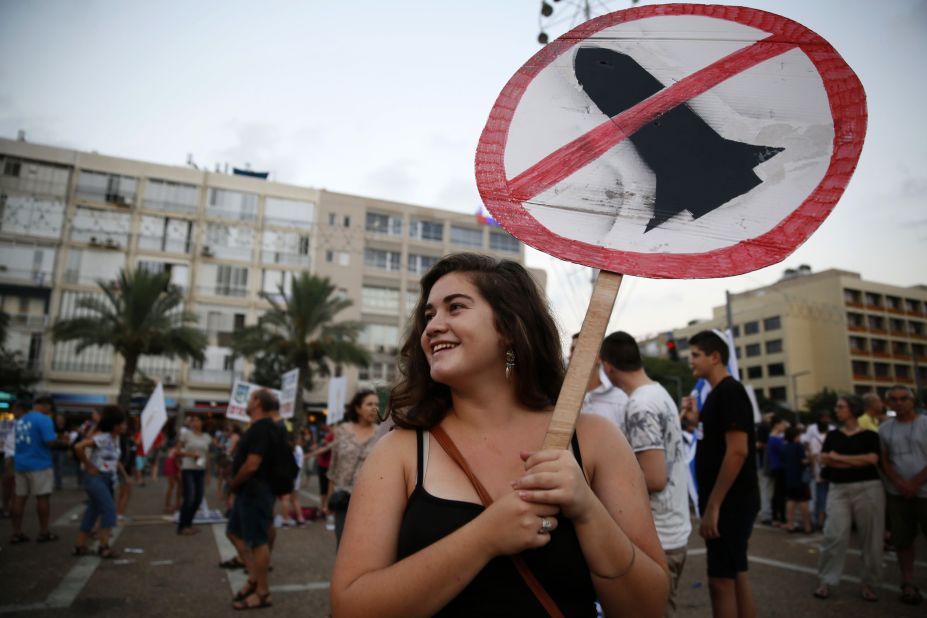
[70,517]
[809,571]
[66,591]
[237,577]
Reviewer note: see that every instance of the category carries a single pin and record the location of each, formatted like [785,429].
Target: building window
[737,351]
[30,216]
[466,236]
[882,370]
[752,349]
[857,344]
[773,323]
[426,230]
[225,204]
[735,331]
[500,241]
[164,234]
[777,393]
[411,300]
[382,259]
[231,280]
[288,213]
[171,197]
[755,372]
[775,369]
[287,248]
[421,263]
[382,338]
[111,188]
[332,218]
[379,299]
[11,168]
[902,372]
[380,223]
[231,242]
[860,369]
[682,343]
[751,328]
[774,346]
[347,221]
[101,228]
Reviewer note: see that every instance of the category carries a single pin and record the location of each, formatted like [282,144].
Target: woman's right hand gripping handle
[510,525]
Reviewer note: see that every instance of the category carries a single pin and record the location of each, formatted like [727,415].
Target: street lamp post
[793,377]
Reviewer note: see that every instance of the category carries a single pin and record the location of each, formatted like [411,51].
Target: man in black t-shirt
[725,469]
[253,511]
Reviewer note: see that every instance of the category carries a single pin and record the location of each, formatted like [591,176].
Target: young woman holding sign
[482,367]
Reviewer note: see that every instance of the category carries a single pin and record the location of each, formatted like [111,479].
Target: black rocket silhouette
[696,169]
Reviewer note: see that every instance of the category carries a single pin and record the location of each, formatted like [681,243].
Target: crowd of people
[449,507]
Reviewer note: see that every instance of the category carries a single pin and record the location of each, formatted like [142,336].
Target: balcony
[223,290]
[218,377]
[28,321]
[859,352]
[862,377]
[79,366]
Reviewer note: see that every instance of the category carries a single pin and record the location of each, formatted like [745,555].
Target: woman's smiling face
[460,339]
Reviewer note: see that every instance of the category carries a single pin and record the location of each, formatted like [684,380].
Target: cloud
[394,181]
[458,194]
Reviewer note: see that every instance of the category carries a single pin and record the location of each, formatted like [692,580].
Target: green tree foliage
[823,401]
[676,377]
[140,313]
[299,331]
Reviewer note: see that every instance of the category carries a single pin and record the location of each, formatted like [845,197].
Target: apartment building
[829,329]
[69,219]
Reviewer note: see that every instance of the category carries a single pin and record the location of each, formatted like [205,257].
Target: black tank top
[498,589]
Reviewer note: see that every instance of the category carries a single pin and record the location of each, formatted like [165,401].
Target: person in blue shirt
[35,438]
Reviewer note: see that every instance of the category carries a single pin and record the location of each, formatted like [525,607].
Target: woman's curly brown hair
[522,318]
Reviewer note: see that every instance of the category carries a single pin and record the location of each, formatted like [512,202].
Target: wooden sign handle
[563,422]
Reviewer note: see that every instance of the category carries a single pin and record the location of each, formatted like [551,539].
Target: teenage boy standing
[725,467]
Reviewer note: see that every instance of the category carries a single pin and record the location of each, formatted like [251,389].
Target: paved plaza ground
[163,575]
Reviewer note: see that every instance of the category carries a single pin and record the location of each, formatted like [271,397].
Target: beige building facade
[69,218]
[829,329]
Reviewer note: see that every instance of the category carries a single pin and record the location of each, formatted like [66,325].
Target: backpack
[283,468]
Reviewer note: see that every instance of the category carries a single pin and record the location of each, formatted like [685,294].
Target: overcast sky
[388,99]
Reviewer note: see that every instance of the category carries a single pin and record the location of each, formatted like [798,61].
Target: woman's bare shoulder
[396,444]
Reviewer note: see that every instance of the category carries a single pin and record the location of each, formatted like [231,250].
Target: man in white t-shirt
[652,427]
[602,397]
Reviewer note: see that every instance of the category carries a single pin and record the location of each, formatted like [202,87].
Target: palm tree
[139,313]
[302,332]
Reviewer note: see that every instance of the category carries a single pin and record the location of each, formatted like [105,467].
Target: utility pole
[793,378]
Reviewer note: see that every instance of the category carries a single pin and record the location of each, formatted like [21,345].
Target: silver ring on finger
[546,525]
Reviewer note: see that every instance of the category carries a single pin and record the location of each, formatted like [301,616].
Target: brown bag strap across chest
[533,584]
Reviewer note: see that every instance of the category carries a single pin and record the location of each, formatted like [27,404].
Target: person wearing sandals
[193,448]
[101,467]
[850,456]
[33,468]
[458,511]
[904,464]
[252,516]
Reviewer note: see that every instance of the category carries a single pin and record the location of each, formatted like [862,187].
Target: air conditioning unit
[111,244]
[94,241]
[206,251]
[169,379]
[121,200]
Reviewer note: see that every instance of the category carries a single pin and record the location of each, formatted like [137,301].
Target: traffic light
[671,350]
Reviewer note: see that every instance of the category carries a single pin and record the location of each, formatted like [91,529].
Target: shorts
[727,554]
[252,513]
[35,482]
[802,493]
[140,461]
[905,516]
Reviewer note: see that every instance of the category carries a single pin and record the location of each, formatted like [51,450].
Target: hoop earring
[509,363]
